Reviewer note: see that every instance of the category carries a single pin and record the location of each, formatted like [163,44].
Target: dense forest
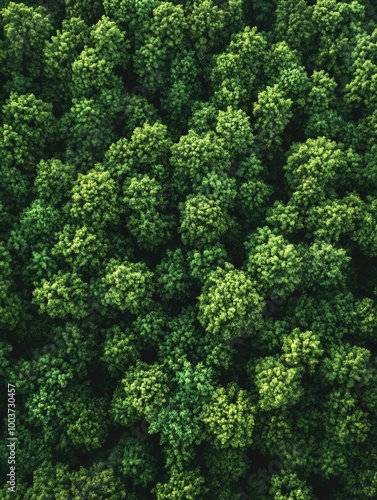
[188,249]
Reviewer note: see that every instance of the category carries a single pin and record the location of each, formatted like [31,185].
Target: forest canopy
[188,249]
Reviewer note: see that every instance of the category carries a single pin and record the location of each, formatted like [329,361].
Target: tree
[54,181]
[141,391]
[126,286]
[172,278]
[302,350]
[59,53]
[182,89]
[328,266]
[138,462]
[346,423]
[10,303]
[203,262]
[203,221]
[345,366]
[362,231]
[181,344]
[82,416]
[229,417]
[188,484]
[273,263]
[233,127]
[95,199]
[294,24]
[319,158]
[207,23]
[272,112]
[88,127]
[187,248]
[165,34]
[145,211]
[29,128]
[64,296]
[98,481]
[334,217]
[237,71]
[193,157]
[226,466]
[138,110]
[289,485]
[120,349]
[359,91]
[82,248]
[93,70]
[279,385]
[26,29]
[229,302]
[49,479]
[178,421]
[79,8]
[36,229]
[148,150]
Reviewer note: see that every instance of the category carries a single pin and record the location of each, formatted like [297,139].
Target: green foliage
[335,24]
[189,484]
[179,342]
[229,417]
[178,421]
[301,348]
[273,263]
[64,296]
[203,221]
[226,466]
[37,226]
[119,349]
[82,248]
[229,302]
[183,87]
[202,263]
[145,206]
[278,384]
[26,30]
[290,486]
[237,70]
[345,423]
[272,112]
[195,156]
[140,392]
[28,126]
[328,266]
[54,180]
[346,365]
[126,286]
[188,213]
[207,23]
[172,276]
[233,126]
[317,159]
[50,480]
[97,482]
[88,125]
[5,349]
[149,149]
[94,199]
[59,54]
[138,461]
[164,35]
[10,303]
[294,24]
[84,425]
